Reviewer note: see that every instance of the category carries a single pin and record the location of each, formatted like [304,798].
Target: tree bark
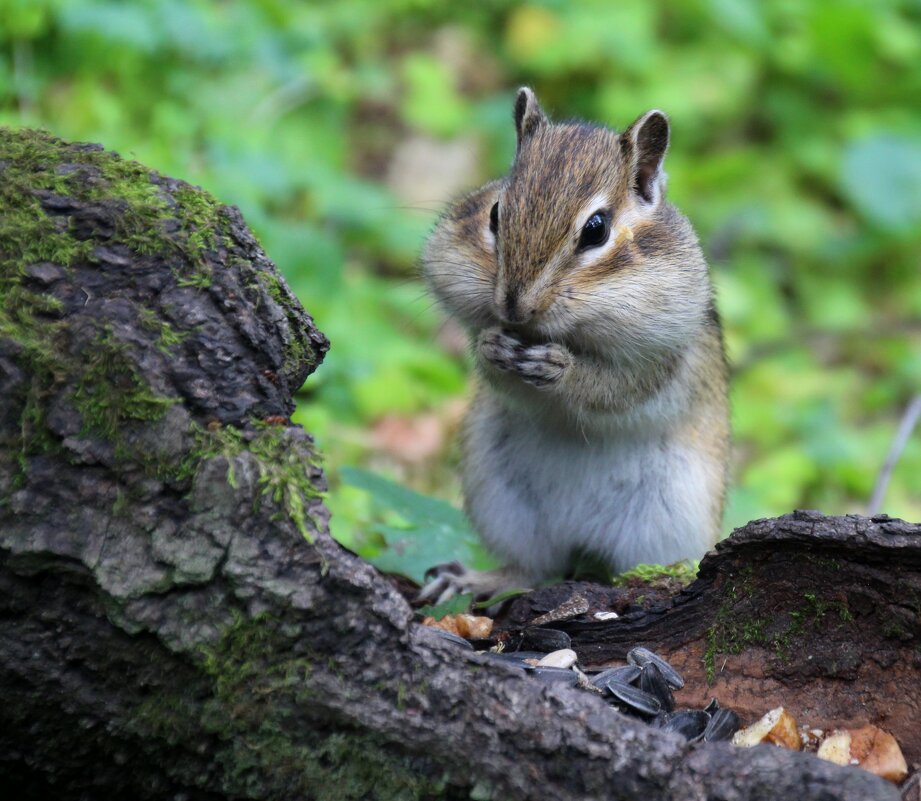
[821,615]
[175,621]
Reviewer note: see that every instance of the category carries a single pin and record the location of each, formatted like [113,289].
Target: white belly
[536,495]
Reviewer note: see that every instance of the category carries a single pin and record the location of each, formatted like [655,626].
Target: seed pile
[641,688]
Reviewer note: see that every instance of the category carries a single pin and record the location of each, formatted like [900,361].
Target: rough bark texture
[821,615]
[175,621]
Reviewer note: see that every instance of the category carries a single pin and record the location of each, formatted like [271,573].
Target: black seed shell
[454,638]
[633,697]
[627,674]
[689,722]
[545,640]
[653,682]
[643,656]
[723,724]
[552,675]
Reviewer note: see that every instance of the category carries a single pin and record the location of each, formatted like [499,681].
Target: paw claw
[443,582]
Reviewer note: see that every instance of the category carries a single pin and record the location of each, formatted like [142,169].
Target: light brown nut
[470,626]
[878,752]
[777,727]
[836,747]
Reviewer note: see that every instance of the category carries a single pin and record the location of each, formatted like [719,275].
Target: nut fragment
[836,747]
[470,626]
[777,726]
[878,752]
[810,737]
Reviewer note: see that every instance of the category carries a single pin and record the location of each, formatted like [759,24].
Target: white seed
[564,658]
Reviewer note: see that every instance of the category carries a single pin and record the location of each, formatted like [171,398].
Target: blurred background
[341,128]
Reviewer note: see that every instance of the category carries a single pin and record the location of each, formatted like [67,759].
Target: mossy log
[175,621]
[821,615]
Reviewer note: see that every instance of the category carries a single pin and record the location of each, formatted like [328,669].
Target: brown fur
[614,345]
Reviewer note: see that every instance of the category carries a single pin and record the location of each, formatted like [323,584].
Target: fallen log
[175,620]
[821,615]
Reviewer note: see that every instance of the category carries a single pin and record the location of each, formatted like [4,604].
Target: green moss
[727,636]
[896,631]
[252,662]
[683,572]
[827,562]
[167,337]
[31,162]
[168,716]
[201,217]
[298,351]
[734,629]
[108,390]
[34,160]
[284,475]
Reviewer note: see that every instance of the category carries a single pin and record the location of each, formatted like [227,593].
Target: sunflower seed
[689,722]
[573,607]
[643,656]
[513,659]
[722,725]
[552,675]
[633,697]
[626,674]
[652,681]
[451,637]
[545,640]
[660,720]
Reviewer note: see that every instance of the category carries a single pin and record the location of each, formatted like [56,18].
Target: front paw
[446,581]
[539,365]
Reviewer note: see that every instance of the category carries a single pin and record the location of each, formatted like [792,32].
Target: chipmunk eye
[494,218]
[595,231]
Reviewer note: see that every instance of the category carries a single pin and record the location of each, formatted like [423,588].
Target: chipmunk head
[577,241]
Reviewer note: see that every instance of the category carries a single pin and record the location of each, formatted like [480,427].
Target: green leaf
[435,531]
[502,596]
[453,606]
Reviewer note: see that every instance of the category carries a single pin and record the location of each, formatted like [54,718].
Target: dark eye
[595,231]
[494,219]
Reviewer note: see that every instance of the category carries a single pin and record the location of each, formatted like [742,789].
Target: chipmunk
[600,418]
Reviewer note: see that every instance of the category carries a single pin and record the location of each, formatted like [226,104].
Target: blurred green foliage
[796,153]
[427,532]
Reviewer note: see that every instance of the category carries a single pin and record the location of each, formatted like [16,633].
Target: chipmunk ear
[645,142]
[529,116]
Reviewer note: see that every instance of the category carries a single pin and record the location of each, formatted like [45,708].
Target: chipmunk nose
[512,309]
